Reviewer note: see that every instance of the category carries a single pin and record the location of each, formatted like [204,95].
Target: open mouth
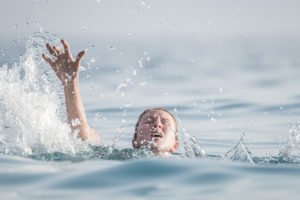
[157,135]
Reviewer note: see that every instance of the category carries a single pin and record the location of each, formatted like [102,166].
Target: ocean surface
[237,100]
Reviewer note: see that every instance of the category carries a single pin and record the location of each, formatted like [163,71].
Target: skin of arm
[67,70]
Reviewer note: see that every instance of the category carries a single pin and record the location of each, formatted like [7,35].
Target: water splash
[191,145]
[32,109]
[291,151]
[239,153]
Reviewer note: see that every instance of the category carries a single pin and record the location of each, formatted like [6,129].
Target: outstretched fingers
[51,49]
[51,63]
[57,50]
[67,49]
[47,59]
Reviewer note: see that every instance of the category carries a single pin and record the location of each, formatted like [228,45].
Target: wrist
[70,82]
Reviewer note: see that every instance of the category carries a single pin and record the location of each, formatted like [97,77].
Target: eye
[148,120]
[165,121]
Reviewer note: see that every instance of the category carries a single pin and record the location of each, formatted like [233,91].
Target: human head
[156,129]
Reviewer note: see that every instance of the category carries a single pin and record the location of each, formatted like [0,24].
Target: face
[157,130]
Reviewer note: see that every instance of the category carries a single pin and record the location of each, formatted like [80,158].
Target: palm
[65,67]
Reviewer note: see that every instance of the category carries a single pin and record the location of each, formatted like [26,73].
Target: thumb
[79,57]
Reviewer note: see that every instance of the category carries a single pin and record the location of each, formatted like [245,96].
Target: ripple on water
[128,172]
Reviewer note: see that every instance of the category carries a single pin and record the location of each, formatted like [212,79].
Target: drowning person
[156,128]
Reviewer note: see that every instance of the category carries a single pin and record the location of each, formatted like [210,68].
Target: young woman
[155,129]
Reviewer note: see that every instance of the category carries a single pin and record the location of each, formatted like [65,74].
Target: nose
[157,124]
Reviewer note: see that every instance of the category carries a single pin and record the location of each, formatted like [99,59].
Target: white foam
[32,109]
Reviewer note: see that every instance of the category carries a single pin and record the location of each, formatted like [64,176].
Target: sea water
[237,104]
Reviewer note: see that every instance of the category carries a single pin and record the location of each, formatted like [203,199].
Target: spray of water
[239,152]
[291,150]
[32,110]
[191,146]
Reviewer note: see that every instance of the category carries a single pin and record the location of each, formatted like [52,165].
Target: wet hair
[140,117]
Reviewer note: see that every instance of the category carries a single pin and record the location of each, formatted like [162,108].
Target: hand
[63,64]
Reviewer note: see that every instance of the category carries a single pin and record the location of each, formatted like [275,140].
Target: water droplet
[93,60]
[127,105]
[140,63]
[88,76]
[112,48]
[98,114]
[84,28]
[75,122]
[82,68]
[142,83]
[15,42]
[213,119]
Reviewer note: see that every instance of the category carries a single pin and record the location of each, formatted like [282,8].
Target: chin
[162,149]
[156,147]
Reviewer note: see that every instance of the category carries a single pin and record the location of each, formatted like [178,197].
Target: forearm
[75,109]
[67,68]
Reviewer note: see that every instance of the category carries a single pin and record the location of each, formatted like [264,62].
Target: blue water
[237,101]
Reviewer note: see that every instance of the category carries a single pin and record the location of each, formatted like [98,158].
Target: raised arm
[67,70]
